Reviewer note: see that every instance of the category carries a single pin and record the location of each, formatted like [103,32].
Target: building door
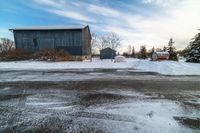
[35,44]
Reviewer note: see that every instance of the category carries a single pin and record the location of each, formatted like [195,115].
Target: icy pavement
[100,106]
[85,74]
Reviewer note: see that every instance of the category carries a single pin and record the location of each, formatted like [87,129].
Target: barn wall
[86,39]
[69,40]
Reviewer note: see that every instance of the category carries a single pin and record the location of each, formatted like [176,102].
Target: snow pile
[120,59]
[169,67]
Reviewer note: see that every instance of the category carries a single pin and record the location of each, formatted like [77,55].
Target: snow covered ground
[162,67]
[168,67]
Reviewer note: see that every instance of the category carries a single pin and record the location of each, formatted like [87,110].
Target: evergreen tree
[129,50]
[171,50]
[133,52]
[143,52]
[152,51]
[193,53]
[164,49]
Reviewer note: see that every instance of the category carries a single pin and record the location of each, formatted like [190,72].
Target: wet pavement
[105,101]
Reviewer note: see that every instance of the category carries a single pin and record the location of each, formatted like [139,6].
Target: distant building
[160,56]
[107,53]
[75,40]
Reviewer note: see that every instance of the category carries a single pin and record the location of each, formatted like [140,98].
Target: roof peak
[51,27]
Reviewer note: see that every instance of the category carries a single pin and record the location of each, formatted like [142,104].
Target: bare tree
[100,42]
[133,52]
[111,40]
[129,50]
[94,43]
[6,44]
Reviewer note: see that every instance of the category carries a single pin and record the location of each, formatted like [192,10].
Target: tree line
[112,40]
[144,54]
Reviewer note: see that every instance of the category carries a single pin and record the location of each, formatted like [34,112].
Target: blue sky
[138,22]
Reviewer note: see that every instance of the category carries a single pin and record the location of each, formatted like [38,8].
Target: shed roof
[65,27]
[108,48]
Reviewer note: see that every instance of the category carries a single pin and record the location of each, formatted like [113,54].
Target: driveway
[98,101]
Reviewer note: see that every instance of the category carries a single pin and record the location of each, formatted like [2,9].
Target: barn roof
[65,27]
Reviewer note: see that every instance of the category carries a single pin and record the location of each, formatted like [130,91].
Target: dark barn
[107,53]
[75,40]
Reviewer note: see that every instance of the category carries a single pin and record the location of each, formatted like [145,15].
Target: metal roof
[65,27]
[162,52]
[108,48]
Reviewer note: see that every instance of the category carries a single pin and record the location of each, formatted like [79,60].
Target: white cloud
[175,18]
[51,3]
[163,3]
[73,15]
[103,10]
[181,22]
[63,8]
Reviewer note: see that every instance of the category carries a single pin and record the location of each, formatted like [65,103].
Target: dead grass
[14,54]
[43,55]
[51,55]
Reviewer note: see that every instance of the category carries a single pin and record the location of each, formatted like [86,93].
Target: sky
[138,22]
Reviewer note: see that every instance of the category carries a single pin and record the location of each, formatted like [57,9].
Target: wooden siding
[86,40]
[107,53]
[69,40]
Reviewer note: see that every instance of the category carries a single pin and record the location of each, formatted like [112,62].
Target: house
[107,53]
[76,40]
[160,56]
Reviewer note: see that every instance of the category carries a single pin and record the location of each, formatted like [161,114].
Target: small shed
[107,53]
[160,56]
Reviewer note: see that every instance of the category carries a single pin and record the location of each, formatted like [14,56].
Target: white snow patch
[44,103]
[168,67]
[6,88]
[63,107]
[42,65]
[162,67]
[95,73]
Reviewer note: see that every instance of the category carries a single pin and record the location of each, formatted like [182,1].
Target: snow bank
[162,67]
[169,67]
[43,65]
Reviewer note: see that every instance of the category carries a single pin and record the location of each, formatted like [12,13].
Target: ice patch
[63,108]
[6,88]
[44,103]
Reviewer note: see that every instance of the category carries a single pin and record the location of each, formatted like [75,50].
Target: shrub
[14,54]
[51,55]
[43,55]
